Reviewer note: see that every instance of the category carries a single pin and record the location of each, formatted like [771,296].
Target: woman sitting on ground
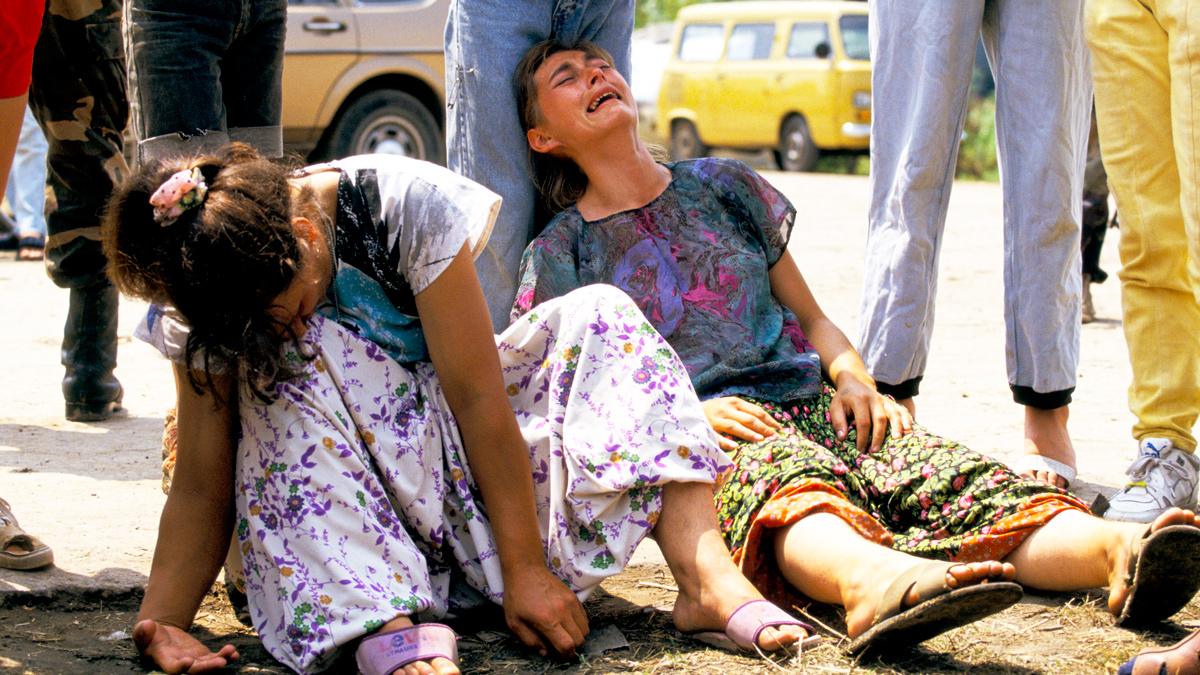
[823,500]
[344,407]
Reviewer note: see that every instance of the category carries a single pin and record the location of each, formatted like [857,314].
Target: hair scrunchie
[182,191]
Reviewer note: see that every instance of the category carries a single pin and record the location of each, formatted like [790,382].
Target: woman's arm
[540,609]
[855,386]
[193,532]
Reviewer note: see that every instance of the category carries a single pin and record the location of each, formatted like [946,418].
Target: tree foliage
[654,11]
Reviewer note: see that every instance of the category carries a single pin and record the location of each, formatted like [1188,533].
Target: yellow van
[790,76]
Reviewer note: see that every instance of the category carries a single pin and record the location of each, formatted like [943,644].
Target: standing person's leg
[915,131]
[26,191]
[484,41]
[1043,103]
[175,65]
[1142,80]
[78,96]
[252,78]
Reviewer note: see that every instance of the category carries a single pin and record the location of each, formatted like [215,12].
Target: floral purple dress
[355,502]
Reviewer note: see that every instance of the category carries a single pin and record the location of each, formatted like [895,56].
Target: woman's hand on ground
[543,612]
[732,417]
[174,650]
[871,412]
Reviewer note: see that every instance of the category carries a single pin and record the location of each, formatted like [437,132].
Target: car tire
[796,152]
[685,141]
[388,121]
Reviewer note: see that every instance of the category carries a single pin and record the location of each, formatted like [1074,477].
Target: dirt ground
[1060,633]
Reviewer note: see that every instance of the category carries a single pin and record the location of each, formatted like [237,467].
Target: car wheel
[390,122]
[685,142]
[796,152]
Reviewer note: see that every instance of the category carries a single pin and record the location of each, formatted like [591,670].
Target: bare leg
[438,666]
[1046,435]
[1076,550]
[711,587]
[828,561]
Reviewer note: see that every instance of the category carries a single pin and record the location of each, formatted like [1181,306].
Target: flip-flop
[1164,574]
[1029,463]
[383,653]
[36,243]
[938,609]
[1181,658]
[33,553]
[747,622]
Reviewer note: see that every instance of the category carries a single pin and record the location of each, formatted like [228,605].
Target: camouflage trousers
[78,96]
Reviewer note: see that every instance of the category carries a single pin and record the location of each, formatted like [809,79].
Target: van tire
[685,141]
[388,120]
[796,152]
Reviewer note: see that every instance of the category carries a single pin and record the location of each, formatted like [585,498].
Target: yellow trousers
[1146,63]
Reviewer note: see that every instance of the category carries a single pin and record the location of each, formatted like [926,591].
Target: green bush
[977,154]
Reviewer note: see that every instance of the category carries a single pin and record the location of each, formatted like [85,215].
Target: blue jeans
[484,142]
[205,72]
[26,192]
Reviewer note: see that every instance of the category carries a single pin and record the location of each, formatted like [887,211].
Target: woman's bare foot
[718,596]
[861,596]
[1046,435]
[438,666]
[1127,540]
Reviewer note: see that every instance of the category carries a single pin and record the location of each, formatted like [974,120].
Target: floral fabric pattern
[930,496]
[695,260]
[355,502]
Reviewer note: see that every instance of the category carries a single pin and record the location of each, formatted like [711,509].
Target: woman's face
[581,98]
[300,299]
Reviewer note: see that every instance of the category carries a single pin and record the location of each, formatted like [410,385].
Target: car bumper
[853,130]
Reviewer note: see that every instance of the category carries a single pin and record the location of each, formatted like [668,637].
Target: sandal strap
[753,617]
[383,653]
[925,580]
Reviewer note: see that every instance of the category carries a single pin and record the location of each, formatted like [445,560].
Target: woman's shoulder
[710,168]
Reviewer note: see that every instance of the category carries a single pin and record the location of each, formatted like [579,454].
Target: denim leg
[26,191]
[252,76]
[175,52]
[922,52]
[484,41]
[1043,105]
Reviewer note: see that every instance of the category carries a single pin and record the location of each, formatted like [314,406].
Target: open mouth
[601,100]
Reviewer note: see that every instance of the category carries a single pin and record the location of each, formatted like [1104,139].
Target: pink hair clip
[182,191]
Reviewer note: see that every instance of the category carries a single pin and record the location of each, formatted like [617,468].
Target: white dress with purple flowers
[355,502]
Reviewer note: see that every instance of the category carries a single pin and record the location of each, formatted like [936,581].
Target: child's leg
[1077,550]
[826,559]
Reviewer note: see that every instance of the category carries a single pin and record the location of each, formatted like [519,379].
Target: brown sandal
[31,553]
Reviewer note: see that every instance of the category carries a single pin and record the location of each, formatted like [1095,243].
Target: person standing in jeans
[205,73]
[1147,70]
[484,41]
[923,52]
[78,97]
[26,191]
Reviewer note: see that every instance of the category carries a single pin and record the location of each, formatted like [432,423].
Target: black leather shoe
[89,354]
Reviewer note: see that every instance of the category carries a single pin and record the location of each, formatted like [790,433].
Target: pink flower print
[925,514]
[744,478]
[925,500]
[525,300]
[927,471]
[840,469]
[806,410]
[890,484]
[759,487]
[704,299]
[941,534]
[897,463]
[959,482]
[965,501]
[796,335]
[641,376]
[947,508]
[986,529]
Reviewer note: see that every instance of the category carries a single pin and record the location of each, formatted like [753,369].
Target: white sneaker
[1161,477]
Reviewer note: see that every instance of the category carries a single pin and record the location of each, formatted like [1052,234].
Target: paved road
[92,491]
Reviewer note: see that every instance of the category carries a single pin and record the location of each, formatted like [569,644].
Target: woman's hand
[543,612]
[175,651]
[734,417]
[871,412]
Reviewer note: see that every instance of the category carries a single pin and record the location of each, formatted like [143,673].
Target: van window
[701,42]
[805,38]
[751,41]
[854,37]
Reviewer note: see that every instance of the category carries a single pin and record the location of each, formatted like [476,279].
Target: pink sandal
[748,622]
[383,653]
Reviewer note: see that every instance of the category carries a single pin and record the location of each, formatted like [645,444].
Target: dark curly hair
[220,264]
[559,181]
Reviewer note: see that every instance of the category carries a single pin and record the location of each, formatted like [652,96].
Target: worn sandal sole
[39,557]
[936,616]
[1164,577]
